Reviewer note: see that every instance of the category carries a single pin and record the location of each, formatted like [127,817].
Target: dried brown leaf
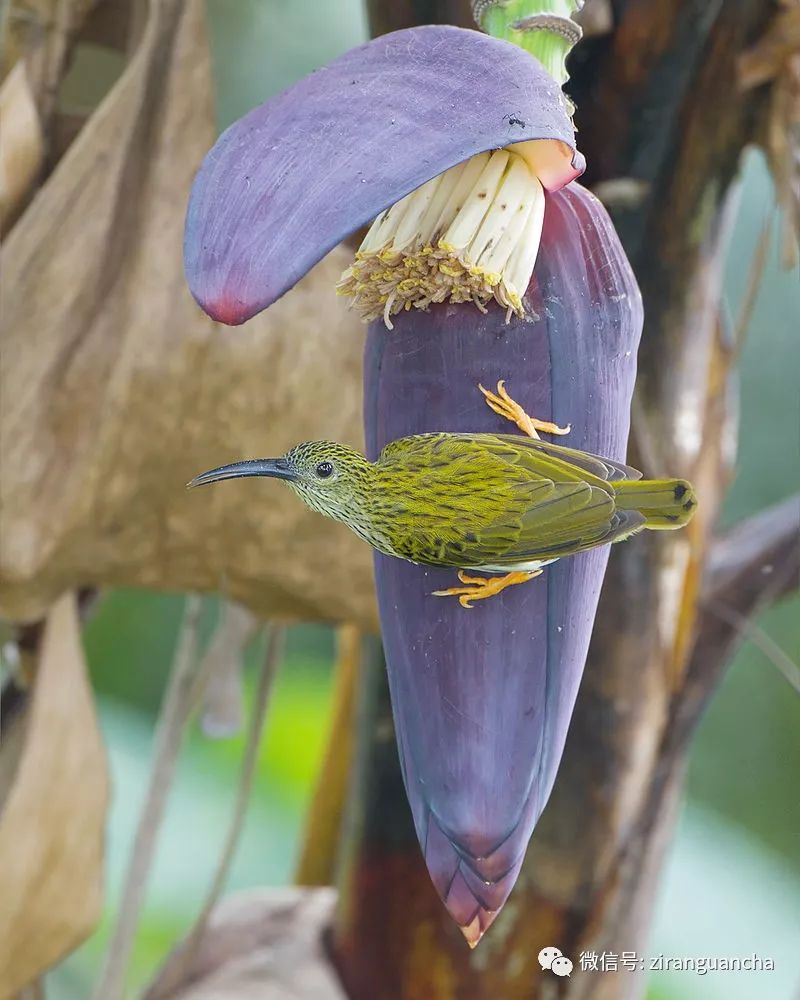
[260,943]
[116,389]
[53,822]
[41,32]
[782,145]
[22,148]
[775,59]
[31,25]
[766,59]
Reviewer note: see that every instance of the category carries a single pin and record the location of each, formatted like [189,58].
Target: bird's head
[331,478]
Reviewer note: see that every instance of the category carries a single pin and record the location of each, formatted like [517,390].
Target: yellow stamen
[470,235]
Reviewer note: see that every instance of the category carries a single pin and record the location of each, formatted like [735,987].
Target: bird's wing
[584,521]
[539,457]
[547,458]
[526,502]
[570,518]
[596,523]
[576,511]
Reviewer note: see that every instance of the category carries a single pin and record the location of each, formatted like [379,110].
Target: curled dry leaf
[116,389]
[596,18]
[41,32]
[53,821]
[22,149]
[775,59]
[765,60]
[259,943]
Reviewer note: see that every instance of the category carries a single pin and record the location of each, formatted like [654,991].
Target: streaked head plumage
[328,476]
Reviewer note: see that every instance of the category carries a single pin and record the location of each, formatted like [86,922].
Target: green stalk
[542,27]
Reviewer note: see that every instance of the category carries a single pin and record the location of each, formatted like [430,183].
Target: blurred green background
[732,885]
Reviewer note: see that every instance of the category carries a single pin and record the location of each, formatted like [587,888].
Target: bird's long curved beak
[276,468]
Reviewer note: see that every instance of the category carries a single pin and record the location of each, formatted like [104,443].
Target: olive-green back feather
[472,500]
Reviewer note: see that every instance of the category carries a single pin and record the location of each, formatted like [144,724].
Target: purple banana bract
[483,698]
[286,183]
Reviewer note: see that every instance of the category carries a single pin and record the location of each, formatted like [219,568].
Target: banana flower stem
[542,27]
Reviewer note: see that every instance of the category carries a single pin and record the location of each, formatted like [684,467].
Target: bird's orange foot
[506,407]
[480,587]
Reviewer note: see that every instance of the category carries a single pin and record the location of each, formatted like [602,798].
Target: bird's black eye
[324,470]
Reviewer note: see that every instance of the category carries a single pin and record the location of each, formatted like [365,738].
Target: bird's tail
[665,503]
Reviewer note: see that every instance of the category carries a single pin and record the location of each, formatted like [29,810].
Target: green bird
[500,504]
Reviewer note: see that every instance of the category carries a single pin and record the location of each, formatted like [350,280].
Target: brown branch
[751,632]
[171,724]
[175,971]
[320,846]
[750,567]
[758,560]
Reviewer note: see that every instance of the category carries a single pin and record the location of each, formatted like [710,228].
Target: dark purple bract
[483,698]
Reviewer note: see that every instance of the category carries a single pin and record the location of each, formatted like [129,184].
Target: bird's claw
[505,406]
[480,587]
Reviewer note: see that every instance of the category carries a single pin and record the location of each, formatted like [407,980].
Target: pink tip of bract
[477,927]
[473,888]
[227,309]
